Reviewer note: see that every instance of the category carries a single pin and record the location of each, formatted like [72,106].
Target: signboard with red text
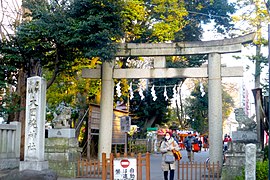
[125,168]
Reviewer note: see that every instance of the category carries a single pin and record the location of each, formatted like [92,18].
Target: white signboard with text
[125,168]
[125,123]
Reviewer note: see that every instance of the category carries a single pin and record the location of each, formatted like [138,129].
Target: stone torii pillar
[106,109]
[215,107]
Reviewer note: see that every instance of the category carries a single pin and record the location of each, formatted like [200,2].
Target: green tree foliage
[168,17]
[71,90]
[69,87]
[11,63]
[262,169]
[59,33]
[173,20]
[203,12]
[56,36]
[134,17]
[197,107]
[147,111]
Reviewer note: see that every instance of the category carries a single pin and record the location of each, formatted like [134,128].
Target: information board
[125,168]
[125,123]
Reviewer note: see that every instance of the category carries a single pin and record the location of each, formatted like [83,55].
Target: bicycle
[207,161]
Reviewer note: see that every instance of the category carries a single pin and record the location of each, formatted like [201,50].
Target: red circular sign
[124,163]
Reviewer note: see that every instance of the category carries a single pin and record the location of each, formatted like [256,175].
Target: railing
[10,141]
[97,169]
[89,168]
[198,170]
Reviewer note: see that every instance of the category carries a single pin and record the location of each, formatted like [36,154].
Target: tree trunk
[149,123]
[83,105]
[179,110]
[21,90]
[257,68]
[258,84]
[77,125]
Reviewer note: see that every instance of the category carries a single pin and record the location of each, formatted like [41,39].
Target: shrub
[242,177]
[261,171]
[265,153]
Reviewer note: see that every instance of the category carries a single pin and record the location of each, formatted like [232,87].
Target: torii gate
[213,72]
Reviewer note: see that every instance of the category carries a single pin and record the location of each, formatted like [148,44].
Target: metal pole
[126,142]
[268,100]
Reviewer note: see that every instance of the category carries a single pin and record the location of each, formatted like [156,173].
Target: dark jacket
[189,140]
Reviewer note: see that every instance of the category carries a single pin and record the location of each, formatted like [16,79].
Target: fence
[89,168]
[97,169]
[10,140]
[198,170]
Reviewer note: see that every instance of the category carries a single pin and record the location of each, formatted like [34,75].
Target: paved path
[155,168]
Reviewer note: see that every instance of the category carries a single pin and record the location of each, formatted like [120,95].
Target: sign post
[268,101]
[125,127]
[125,168]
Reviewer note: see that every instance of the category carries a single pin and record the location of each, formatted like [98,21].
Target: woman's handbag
[169,158]
[177,155]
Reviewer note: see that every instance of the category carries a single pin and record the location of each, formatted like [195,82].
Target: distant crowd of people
[201,142]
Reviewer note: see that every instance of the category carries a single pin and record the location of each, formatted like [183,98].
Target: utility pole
[268,100]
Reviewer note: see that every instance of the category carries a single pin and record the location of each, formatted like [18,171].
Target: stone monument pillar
[35,125]
[250,170]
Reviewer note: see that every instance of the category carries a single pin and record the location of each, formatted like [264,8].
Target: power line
[209,15]
[204,14]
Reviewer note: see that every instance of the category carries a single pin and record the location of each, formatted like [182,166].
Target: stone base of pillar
[33,165]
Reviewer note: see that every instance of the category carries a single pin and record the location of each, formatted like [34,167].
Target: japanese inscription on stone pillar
[35,119]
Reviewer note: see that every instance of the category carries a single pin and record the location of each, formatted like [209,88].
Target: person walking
[205,143]
[189,140]
[200,143]
[175,136]
[225,143]
[166,147]
[229,138]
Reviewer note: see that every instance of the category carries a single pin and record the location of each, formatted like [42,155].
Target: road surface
[156,172]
